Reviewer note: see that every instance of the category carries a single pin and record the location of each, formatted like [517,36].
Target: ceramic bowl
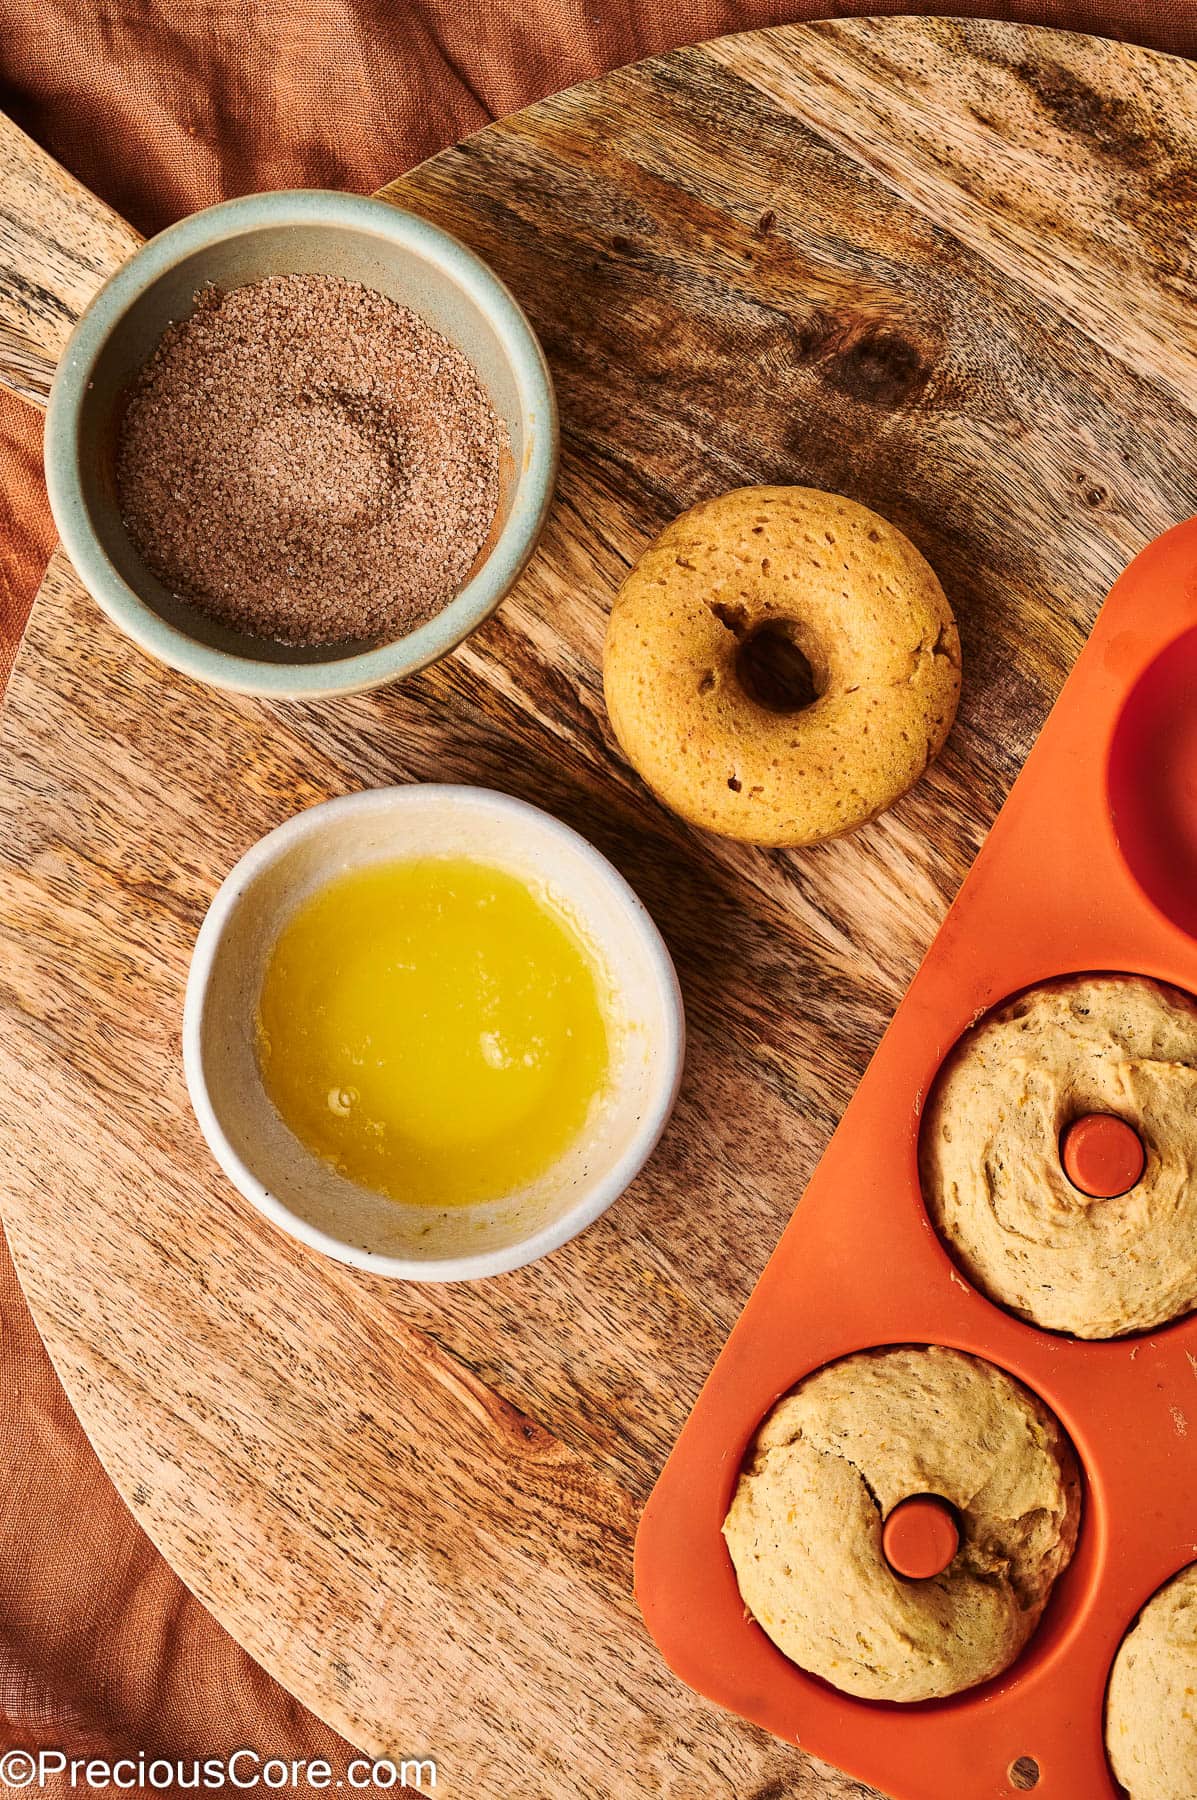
[230,246]
[305,1195]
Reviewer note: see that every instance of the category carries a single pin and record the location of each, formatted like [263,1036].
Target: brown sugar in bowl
[232,246]
[307,460]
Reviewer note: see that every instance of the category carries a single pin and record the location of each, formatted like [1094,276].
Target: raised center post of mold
[1102,1155]
[920,1537]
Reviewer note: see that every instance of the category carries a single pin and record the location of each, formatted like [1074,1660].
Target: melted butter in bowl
[434,1029]
[430,1031]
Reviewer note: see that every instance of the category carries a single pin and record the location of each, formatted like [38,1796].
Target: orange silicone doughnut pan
[1090,866]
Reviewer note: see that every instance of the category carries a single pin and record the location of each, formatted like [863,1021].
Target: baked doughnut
[1151,1707]
[990,1155]
[781,665]
[832,1461]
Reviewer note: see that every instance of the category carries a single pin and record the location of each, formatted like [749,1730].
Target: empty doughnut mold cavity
[1153,781]
[1067,883]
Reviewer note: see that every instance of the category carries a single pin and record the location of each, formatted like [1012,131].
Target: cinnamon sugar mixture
[307,460]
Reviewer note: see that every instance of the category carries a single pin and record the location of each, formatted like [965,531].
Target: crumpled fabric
[163,106]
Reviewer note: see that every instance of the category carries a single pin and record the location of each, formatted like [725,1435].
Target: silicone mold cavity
[949,1250]
[1065,1603]
[1153,782]
[1131,1622]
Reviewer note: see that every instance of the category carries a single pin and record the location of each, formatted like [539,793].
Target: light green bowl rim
[475,603]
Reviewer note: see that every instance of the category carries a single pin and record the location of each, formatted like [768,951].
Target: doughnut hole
[779,667]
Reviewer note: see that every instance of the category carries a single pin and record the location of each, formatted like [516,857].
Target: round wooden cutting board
[945,268]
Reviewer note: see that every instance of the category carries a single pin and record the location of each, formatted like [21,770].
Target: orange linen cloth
[161,108]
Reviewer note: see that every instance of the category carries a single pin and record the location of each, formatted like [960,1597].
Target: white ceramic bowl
[303,1194]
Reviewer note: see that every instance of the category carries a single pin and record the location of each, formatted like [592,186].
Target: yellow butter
[434,1029]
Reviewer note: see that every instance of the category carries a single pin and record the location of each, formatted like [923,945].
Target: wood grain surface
[58,244]
[945,268]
